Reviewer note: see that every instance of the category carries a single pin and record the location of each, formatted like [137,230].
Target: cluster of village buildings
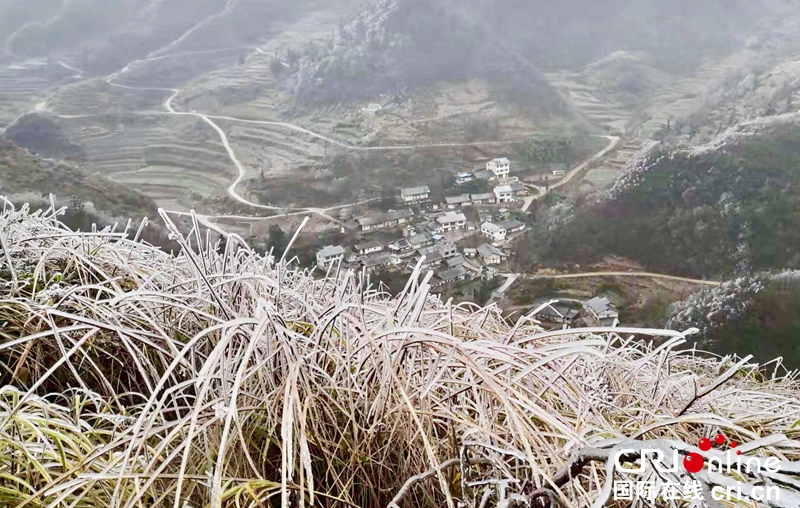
[430,235]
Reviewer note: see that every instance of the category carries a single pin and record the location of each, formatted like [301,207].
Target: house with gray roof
[415,194]
[332,254]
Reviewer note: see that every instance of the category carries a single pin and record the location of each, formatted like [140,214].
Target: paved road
[510,280]
[542,191]
[623,274]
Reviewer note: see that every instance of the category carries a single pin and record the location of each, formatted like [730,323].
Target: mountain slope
[28,175]
[721,209]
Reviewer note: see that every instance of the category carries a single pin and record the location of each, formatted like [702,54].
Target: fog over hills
[396,253]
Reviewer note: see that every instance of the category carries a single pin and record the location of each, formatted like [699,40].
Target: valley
[218,129]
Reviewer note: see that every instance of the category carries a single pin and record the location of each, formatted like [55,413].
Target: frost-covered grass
[131,378]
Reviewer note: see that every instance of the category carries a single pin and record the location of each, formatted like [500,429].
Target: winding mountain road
[648,275]
[542,191]
[211,120]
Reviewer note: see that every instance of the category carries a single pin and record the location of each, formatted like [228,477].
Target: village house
[447,248]
[483,199]
[452,221]
[504,194]
[560,312]
[500,167]
[376,262]
[366,248]
[329,255]
[470,252]
[464,178]
[450,276]
[457,260]
[453,202]
[413,242]
[557,168]
[519,189]
[415,194]
[432,257]
[603,311]
[494,232]
[384,221]
[513,226]
[491,255]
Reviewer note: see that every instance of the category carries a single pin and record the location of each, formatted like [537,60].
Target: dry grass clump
[219,377]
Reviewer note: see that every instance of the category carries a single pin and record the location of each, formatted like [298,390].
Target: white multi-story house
[415,194]
[329,255]
[493,231]
[452,221]
[500,167]
[504,194]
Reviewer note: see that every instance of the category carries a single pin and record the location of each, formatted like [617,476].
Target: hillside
[727,208]
[391,47]
[21,172]
[222,378]
[758,315]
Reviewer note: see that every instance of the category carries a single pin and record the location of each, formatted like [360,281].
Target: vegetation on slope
[393,46]
[757,315]
[730,208]
[222,378]
[42,136]
[90,199]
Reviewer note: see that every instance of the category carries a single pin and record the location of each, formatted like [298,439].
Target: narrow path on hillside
[586,275]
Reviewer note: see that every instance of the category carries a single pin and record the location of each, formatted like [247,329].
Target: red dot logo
[693,462]
[704,444]
[719,439]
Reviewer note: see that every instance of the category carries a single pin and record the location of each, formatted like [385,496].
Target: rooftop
[503,189]
[451,217]
[380,219]
[377,260]
[600,304]
[482,197]
[486,250]
[455,261]
[414,191]
[452,273]
[501,160]
[368,245]
[489,226]
[511,224]
[331,250]
[455,200]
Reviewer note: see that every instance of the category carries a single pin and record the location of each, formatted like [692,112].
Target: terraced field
[163,156]
[20,88]
[96,97]
[599,112]
[682,97]
[274,149]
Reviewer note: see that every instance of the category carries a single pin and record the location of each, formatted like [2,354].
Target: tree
[278,240]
